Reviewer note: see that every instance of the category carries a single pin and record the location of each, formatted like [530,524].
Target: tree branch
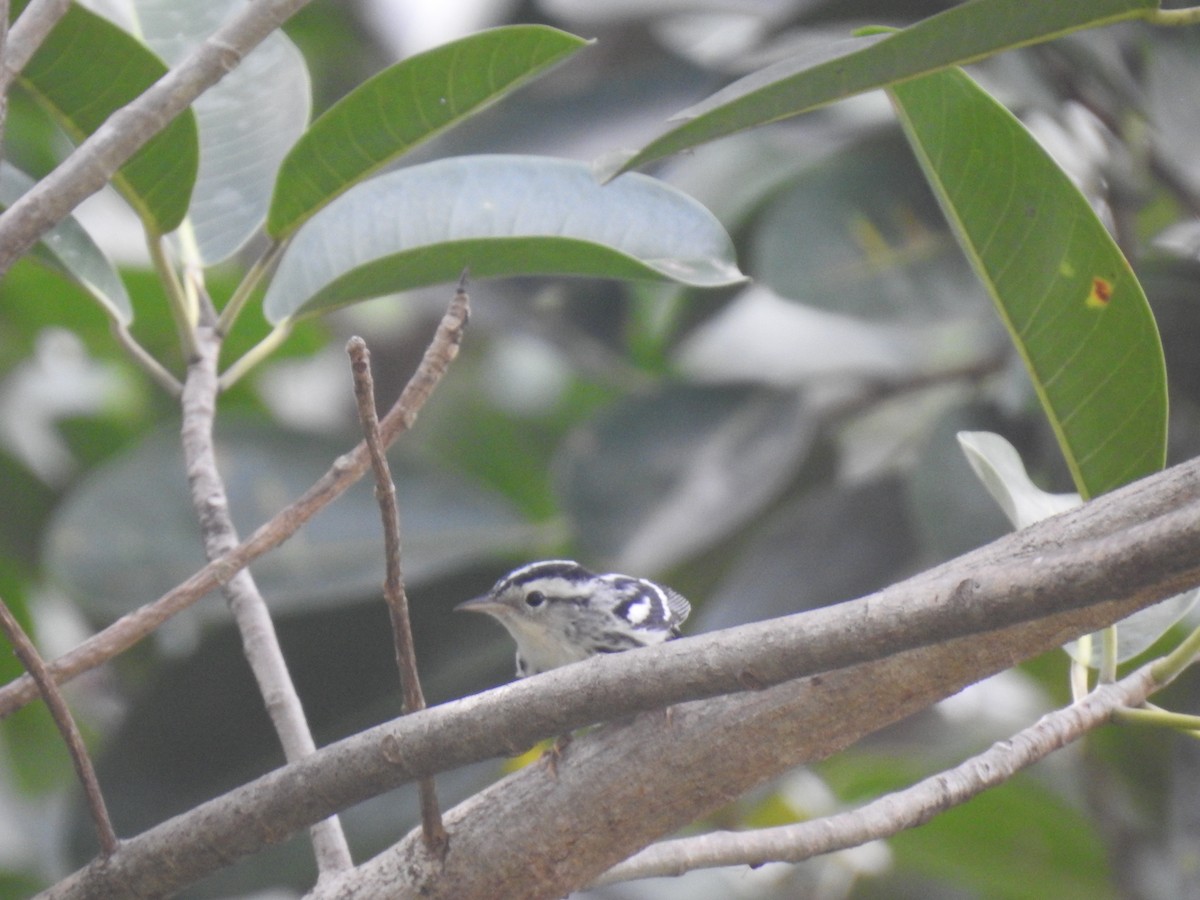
[345,471]
[894,812]
[27,34]
[1027,592]
[436,838]
[93,163]
[28,654]
[259,641]
[622,787]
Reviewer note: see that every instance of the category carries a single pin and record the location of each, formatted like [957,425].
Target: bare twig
[393,589]
[345,471]
[96,160]
[894,812]
[61,713]
[249,609]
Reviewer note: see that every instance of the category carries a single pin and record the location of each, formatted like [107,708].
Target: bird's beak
[484,604]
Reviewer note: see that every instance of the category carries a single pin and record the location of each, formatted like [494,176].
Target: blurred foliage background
[764,450]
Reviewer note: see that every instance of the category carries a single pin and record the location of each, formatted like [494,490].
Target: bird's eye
[535,598]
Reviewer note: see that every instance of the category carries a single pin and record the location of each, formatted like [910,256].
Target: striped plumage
[558,612]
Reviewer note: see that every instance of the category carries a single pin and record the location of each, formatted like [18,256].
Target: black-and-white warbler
[558,612]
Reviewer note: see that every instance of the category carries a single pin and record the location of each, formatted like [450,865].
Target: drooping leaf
[497,215]
[69,249]
[962,34]
[63,74]
[999,466]
[1068,297]
[403,106]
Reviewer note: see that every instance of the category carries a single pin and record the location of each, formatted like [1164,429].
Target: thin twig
[895,812]
[345,471]
[59,711]
[259,640]
[436,838]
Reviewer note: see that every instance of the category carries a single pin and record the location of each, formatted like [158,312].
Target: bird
[558,612]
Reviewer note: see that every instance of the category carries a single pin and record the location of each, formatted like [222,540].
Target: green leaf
[1069,299]
[961,34]
[67,248]
[403,106]
[86,70]
[498,215]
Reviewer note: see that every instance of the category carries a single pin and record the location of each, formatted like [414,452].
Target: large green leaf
[1068,297]
[69,249]
[497,215]
[957,36]
[403,106]
[86,70]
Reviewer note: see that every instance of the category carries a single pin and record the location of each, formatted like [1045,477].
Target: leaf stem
[256,354]
[237,302]
[142,357]
[185,308]
[1174,17]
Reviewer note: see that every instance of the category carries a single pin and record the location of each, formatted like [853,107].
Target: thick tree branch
[1027,592]
[250,613]
[345,471]
[894,812]
[93,163]
[622,787]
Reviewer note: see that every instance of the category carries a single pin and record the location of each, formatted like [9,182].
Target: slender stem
[1079,671]
[256,354]
[182,301]
[245,602]
[245,289]
[61,713]
[434,831]
[1173,17]
[1108,655]
[142,357]
[1171,665]
[345,471]
[1160,718]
